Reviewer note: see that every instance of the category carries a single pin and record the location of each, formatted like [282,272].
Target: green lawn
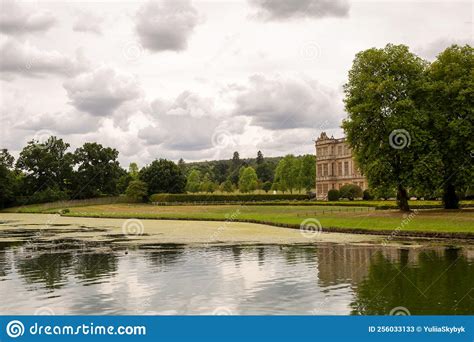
[437,220]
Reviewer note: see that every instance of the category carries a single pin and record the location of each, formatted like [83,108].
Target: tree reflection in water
[437,284]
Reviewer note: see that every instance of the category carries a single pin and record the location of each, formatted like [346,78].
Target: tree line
[410,122]
[289,174]
[49,171]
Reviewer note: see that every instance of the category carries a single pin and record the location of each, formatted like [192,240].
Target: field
[350,218]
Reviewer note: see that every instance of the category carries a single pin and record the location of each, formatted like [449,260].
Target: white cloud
[88,22]
[101,91]
[166,25]
[285,9]
[189,123]
[27,60]
[282,103]
[16,19]
[72,122]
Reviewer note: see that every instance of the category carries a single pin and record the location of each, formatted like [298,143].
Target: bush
[333,195]
[367,195]
[350,191]
[183,198]
[267,186]
[45,196]
[137,190]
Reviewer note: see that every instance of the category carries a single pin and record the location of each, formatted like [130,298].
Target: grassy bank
[335,218]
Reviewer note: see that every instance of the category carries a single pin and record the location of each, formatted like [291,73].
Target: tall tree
[265,172]
[248,180]
[98,170]
[450,107]
[307,172]
[384,125]
[193,182]
[182,164]
[7,179]
[260,158]
[133,170]
[163,176]
[46,165]
[286,174]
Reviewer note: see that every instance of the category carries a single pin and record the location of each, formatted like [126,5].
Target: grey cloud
[188,124]
[278,104]
[27,60]
[88,22]
[431,50]
[101,91]
[63,123]
[285,9]
[16,19]
[166,25]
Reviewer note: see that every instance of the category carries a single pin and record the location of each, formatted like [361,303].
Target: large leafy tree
[385,125]
[265,172]
[287,173]
[46,165]
[98,170]
[7,179]
[450,108]
[307,172]
[163,176]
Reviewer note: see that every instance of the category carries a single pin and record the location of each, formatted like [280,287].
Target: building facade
[335,166]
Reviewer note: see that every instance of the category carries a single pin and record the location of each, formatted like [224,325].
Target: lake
[68,277]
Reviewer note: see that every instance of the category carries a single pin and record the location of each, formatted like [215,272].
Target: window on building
[320,171]
[346,168]
[339,150]
[320,189]
[339,166]
[325,170]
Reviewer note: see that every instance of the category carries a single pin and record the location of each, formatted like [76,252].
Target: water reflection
[435,283]
[175,279]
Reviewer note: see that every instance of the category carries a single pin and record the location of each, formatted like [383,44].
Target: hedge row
[190,198]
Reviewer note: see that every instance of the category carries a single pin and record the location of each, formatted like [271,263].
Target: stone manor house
[335,166]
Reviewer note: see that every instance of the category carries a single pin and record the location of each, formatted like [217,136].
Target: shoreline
[352,234]
[377,232]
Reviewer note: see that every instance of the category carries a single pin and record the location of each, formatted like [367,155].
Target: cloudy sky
[198,79]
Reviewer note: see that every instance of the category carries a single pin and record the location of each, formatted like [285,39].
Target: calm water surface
[68,278]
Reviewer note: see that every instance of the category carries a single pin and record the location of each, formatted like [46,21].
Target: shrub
[45,196]
[267,186]
[189,198]
[137,190]
[350,191]
[333,195]
[367,195]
